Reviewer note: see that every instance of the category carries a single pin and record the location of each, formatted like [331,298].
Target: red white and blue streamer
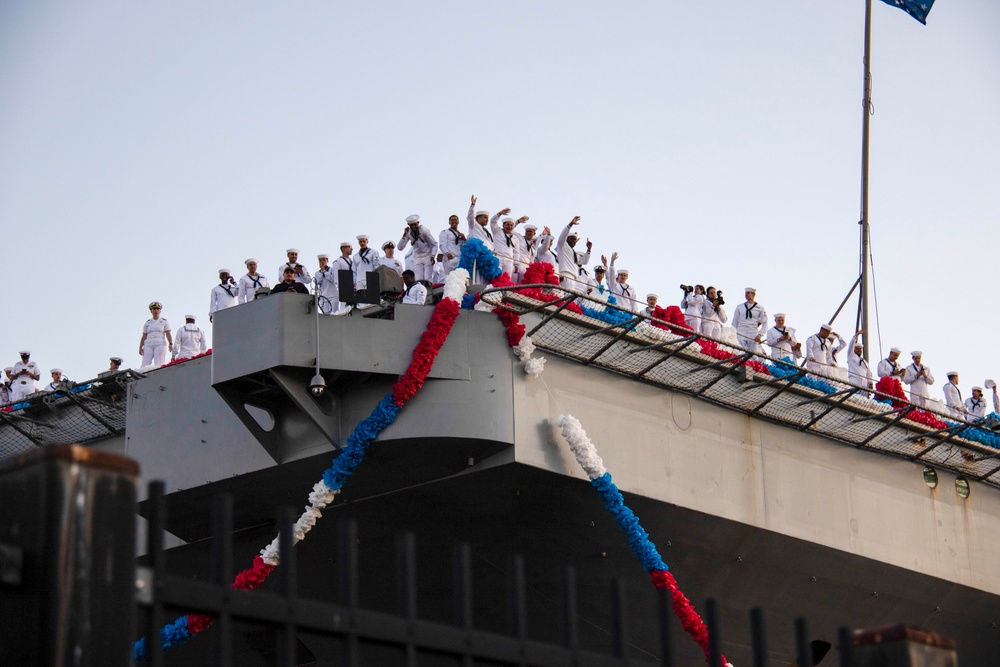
[638,539]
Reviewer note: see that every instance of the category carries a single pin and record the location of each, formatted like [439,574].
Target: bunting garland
[638,539]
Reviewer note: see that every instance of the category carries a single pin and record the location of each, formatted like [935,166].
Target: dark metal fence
[403,638]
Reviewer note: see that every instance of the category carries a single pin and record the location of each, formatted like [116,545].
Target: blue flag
[918,9]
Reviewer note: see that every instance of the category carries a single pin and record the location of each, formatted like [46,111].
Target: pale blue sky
[142,147]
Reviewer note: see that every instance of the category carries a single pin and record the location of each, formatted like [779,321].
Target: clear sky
[143,146]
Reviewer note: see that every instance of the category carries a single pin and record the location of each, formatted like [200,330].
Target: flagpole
[866,103]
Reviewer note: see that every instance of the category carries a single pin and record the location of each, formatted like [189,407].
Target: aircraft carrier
[757,490]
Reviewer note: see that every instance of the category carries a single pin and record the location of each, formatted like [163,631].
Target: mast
[866,118]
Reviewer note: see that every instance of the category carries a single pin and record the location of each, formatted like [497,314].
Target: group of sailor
[18,381]
[430,259]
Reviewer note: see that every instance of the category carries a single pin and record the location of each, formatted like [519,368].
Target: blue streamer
[358,442]
[779,370]
[174,634]
[638,539]
[475,252]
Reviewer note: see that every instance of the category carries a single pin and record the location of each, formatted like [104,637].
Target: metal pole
[866,118]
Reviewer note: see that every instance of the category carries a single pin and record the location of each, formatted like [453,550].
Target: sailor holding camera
[713,315]
[692,302]
[750,321]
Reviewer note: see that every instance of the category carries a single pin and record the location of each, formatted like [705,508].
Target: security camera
[317,386]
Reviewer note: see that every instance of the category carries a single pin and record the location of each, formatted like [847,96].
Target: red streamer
[444,316]
[684,610]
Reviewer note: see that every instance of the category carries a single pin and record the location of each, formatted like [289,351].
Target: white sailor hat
[56,370]
[479,213]
[251,259]
[221,271]
[322,256]
[362,237]
[828,327]
[410,219]
[599,267]
[896,350]
[652,296]
[506,219]
[777,315]
[916,353]
[530,227]
[388,244]
[345,244]
[573,234]
[950,373]
[189,317]
[9,368]
[750,289]
[155,304]
[295,250]
[27,353]
[979,388]
[622,272]
[117,360]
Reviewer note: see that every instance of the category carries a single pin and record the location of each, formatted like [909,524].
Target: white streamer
[583,449]
[320,497]
[455,284]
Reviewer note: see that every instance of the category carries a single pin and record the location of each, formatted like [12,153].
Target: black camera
[718,297]
[687,289]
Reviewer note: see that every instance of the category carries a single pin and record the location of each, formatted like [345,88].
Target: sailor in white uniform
[750,322]
[597,282]
[858,371]
[953,396]
[343,263]
[624,293]
[529,246]
[820,350]
[544,252]
[572,262]
[889,367]
[651,300]
[301,272]
[57,380]
[919,378]
[190,340]
[251,282]
[156,340]
[975,407]
[713,314]
[782,341]
[414,293]
[389,258]
[450,243]
[325,285]
[478,221]
[692,303]
[425,248]
[224,295]
[365,259]
[507,245]
[23,376]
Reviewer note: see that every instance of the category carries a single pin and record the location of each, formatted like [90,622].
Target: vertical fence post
[287,576]
[758,637]
[406,590]
[802,649]
[517,608]
[222,557]
[668,651]
[845,643]
[463,597]
[347,547]
[714,632]
[570,636]
[157,564]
